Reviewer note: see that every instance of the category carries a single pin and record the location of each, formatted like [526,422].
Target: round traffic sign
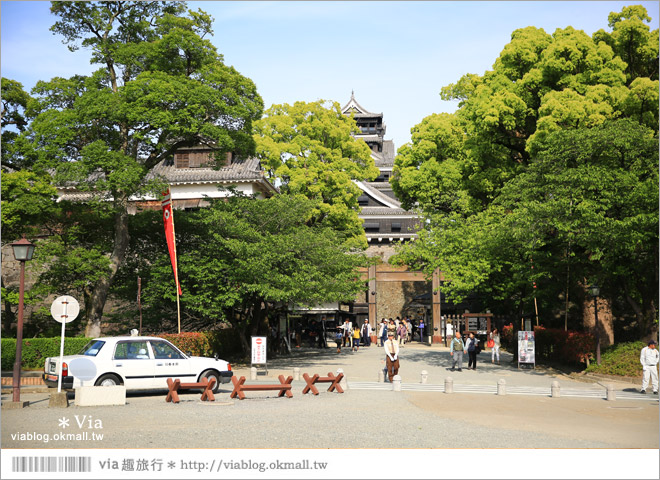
[65,309]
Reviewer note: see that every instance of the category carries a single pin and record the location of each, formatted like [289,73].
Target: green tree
[633,41]
[14,120]
[242,260]
[525,182]
[162,86]
[308,149]
[591,199]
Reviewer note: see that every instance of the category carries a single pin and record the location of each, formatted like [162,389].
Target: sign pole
[64,309]
[64,318]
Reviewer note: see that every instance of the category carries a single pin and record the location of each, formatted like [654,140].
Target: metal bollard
[381,375]
[342,383]
[425,376]
[296,373]
[555,389]
[449,385]
[253,373]
[611,394]
[501,387]
[396,383]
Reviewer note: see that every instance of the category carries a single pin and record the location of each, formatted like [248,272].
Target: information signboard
[259,351]
[526,347]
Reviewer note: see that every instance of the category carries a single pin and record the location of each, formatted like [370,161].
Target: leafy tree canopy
[161,86]
[241,259]
[308,149]
[547,172]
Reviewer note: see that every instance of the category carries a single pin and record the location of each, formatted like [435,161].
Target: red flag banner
[168,220]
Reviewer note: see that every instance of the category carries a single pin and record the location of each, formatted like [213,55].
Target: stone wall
[382,251]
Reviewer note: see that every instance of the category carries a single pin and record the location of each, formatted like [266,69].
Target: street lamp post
[594,290]
[23,251]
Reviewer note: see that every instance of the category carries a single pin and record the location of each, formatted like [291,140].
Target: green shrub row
[224,343]
[36,350]
[619,359]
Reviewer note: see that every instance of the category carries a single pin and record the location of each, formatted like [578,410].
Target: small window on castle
[396,227]
[182,160]
[372,227]
[363,200]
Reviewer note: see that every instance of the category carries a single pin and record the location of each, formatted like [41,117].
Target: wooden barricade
[318,379]
[175,385]
[284,387]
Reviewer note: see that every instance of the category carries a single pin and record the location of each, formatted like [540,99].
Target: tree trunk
[101,289]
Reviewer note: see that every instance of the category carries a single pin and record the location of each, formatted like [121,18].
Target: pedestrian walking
[456,350]
[356,339]
[366,333]
[348,331]
[391,356]
[299,330]
[409,328]
[421,330]
[401,333]
[382,332]
[472,346]
[649,361]
[495,346]
[391,328]
[321,336]
[339,337]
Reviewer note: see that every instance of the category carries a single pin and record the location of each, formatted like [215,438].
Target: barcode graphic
[51,464]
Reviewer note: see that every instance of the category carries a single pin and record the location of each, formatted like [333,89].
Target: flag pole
[168,219]
[176,272]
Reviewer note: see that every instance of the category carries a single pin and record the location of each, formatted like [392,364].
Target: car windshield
[92,348]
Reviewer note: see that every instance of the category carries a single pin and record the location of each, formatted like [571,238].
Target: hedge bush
[206,344]
[619,359]
[36,350]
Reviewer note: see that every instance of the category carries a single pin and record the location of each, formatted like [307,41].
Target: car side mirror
[215,355]
[189,353]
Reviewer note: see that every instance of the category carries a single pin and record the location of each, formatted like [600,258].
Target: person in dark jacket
[471,344]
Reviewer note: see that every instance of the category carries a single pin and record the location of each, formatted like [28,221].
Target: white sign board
[259,350]
[526,347]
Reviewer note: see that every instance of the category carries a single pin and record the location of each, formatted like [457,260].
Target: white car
[137,363]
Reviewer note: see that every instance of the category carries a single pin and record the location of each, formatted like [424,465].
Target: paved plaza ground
[368,415]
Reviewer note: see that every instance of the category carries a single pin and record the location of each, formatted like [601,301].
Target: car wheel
[108,380]
[212,374]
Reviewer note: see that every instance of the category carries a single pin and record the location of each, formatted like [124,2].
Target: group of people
[403,330]
[458,347]
[352,336]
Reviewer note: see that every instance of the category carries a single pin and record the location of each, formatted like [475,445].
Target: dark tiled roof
[240,170]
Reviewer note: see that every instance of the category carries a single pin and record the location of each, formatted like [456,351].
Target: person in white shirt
[365,332]
[649,360]
[391,356]
[495,350]
[382,329]
[348,332]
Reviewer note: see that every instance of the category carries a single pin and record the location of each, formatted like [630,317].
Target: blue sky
[395,55]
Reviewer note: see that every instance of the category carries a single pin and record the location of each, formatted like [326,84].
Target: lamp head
[23,250]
